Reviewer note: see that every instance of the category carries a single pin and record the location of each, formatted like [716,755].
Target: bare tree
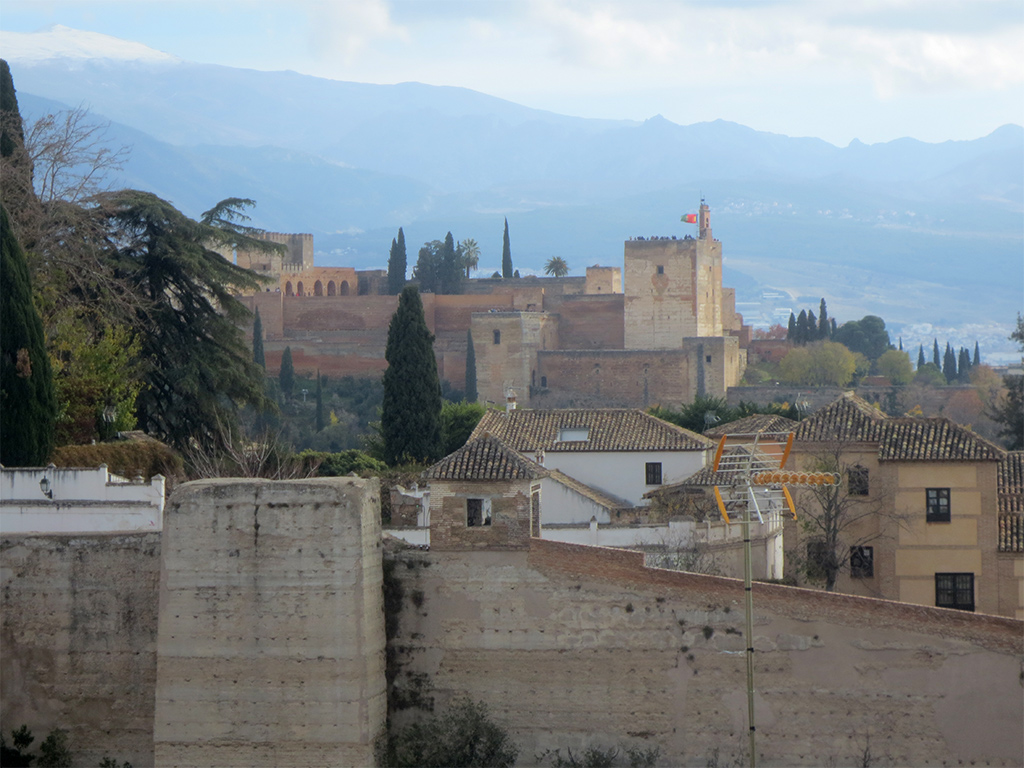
[237,456]
[72,155]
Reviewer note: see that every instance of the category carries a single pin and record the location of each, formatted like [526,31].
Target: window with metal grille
[937,505]
[954,590]
[862,562]
[653,472]
[478,512]
[857,481]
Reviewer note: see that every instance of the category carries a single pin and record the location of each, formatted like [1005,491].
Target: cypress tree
[450,267]
[411,410]
[920,356]
[27,398]
[791,329]
[397,264]
[16,191]
[832,328]
[977,355]
[257,342]
[812,326]
[964,366]
[319,402]
[801,327]
[471,393]
[287,375]
[506,254]
[823,324]
[949,364]
[901,343]
[936,359]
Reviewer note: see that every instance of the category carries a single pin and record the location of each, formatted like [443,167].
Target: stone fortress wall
[269,648]
[670,313]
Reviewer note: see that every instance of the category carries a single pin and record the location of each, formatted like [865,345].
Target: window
[653,472]
[478,512]
[862,562]
[570,434]
[661,269]
[543,381]
[707,358]
[937,500]
[954,590]
[497,337]
[857,481]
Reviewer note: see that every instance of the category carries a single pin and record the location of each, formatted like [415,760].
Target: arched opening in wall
[318,288]
[345,290]
[288,290]
[331,288]
[299,290]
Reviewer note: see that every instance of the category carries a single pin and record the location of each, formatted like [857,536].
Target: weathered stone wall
[509,359]
[271,637]
[78,641]
[510,514]
[573,646]
[589,322]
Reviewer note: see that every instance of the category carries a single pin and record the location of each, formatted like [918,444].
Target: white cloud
[342,30]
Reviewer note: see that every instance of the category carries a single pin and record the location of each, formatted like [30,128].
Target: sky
[872,70]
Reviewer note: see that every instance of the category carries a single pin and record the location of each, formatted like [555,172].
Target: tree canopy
[397,264]
[411,410]
[556,267]
[867,336]
[439,267]
[506,254]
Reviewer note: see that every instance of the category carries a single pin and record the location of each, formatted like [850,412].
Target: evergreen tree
[964,366]
[27,399]
[257,342]
[977,355]
[824,327]
[791,329]
[16,192]
[832,328]
[428,269]
[901,343]
[397,264]
[812,327]
[949,364]
[920,355]
[471,393]
[411,410]
[506,254]
[801,327]
[319,402]
[286,377]
[936,359]
[450,267]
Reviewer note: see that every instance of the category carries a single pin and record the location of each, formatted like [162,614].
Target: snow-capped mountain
[60,42]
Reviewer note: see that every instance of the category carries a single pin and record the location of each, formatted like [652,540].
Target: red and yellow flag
[689,218]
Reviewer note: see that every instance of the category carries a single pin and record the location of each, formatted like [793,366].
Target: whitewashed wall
[622,473]
[561,505]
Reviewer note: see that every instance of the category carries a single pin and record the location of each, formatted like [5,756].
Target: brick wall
[510,515]
[590,322]
[632,378]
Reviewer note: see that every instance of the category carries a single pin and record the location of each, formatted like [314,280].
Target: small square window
[478,512]
[857,481]
[937,505]
[653,472]
[497,337]
[862,562]
[954,590]
[661,269]
[707,358]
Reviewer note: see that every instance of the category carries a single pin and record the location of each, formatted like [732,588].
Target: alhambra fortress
[662,329]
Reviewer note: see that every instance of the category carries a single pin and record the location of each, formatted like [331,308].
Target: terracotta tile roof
[484,458]
[933,439]
[755,424]
[1011,533]
[610,429]
[1010,491]
[848,419]
[598,497]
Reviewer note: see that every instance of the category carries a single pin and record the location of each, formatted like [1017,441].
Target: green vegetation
[458,420]
[439,267]
[464,736]
[397,264]
[257,341]
[27,394]
[824,363]
[867,336]
[556,267]
[706,412]
[286,375]
[411,409]
[895,365]
[53,751]
[471,392]
[469,255]
[596,757]
[506,254]
[1008,410]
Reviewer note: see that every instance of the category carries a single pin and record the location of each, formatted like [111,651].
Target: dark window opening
[937,501]
[653,472]
[661,269]
[707,359]
[543,381]
[497,337]
[857,481]
[862,562]
[954,590]
[478,512]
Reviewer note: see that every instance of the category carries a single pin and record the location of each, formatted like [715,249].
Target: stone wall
[510,514]
[78,641]
[572,646]
[271,638]
[589,322]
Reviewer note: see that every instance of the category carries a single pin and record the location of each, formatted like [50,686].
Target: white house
[52,500]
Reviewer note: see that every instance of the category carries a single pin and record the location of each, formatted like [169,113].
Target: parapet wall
[573,646]
[271,637]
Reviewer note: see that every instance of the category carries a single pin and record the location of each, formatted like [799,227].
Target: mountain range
[917,233]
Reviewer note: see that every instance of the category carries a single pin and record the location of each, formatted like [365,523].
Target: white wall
[561,505]
[622,473]
[80,501]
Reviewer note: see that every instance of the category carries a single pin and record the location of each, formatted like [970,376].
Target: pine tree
[791,329]
[977,355]
[506,254]
[949,364]
[27,396]
[319,402]
[257,342]
[286,377]
[920,356]
[936,359]
[823,324]
[471,393]
[397,264]
[411,410]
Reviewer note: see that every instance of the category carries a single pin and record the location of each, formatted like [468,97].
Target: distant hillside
[912,231]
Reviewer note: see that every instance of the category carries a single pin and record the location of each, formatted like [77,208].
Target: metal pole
[749,634]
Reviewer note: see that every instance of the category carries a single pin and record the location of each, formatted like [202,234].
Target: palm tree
[470,254]
[556,267]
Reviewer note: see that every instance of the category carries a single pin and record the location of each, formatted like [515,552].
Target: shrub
[463,737]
